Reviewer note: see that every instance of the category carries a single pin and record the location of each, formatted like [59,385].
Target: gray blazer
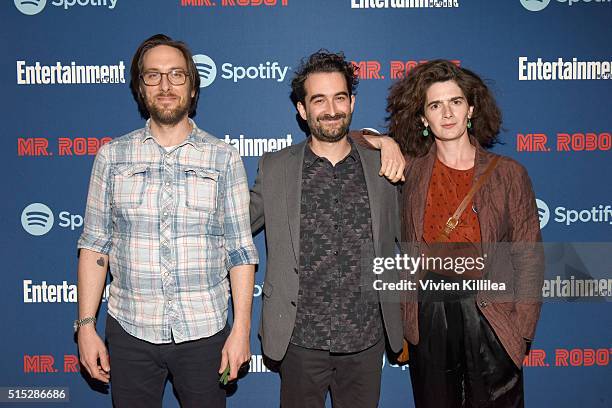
[275,204]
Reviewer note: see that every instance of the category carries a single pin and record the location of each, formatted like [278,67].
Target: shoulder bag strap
[453,221]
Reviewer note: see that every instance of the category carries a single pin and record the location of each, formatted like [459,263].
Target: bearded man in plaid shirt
[168,211]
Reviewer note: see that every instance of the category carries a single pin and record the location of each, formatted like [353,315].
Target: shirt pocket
[201,189]
[129,185]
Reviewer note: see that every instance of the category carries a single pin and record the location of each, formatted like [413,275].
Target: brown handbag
[450,225]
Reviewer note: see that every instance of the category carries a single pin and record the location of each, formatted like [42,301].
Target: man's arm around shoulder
[392,159]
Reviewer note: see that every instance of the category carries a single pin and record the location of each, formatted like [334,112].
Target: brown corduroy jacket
[507,214]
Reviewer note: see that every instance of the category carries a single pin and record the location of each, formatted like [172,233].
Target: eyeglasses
[175,77]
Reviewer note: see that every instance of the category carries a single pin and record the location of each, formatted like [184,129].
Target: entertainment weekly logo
[233,3]
[564,142]
[59,73]
[66,292]
[33,7]
[61,146]
[402,4]
[568,69]
[256,147]
[539,5]
[394,69]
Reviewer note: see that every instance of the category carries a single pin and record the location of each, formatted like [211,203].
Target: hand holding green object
[225,375]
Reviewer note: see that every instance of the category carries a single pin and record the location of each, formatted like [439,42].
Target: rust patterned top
[447,188]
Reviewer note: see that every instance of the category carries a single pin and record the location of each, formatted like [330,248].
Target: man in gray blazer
[327,212]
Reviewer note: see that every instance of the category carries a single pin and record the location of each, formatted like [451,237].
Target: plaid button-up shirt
[173,224]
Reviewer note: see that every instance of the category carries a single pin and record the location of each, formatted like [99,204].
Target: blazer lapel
[293,188]
[481,161]
[483,207]
[418,196]
[370,162]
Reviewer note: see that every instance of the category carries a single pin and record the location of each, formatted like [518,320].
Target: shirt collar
[193,139]
[311,158]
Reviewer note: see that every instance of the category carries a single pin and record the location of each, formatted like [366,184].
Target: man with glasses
[168,211]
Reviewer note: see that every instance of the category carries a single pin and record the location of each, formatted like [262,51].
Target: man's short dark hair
[323,61]
[136,71]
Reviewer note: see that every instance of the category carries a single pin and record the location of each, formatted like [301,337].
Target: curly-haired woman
[466,346]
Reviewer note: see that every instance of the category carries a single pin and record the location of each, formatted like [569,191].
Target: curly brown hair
[323,61]
[406,104]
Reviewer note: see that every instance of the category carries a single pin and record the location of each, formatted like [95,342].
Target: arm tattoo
[100,261]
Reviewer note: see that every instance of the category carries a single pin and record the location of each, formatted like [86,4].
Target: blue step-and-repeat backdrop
[549,63]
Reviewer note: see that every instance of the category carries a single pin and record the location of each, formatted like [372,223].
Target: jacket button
[483,304]
[295,270]
[292,303]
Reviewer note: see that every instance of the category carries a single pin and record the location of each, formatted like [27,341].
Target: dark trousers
[459,362]
[139,369]
[352,378]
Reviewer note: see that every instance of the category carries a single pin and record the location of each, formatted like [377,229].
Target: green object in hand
[225,375]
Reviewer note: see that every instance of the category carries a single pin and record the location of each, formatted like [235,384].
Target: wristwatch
[82,322]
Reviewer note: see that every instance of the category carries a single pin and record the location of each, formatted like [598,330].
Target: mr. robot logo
[64,146]
[45,363]
[564,142]
[576,357]
[395,69]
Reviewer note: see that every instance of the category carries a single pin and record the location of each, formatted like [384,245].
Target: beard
[325,133]
[167,116]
